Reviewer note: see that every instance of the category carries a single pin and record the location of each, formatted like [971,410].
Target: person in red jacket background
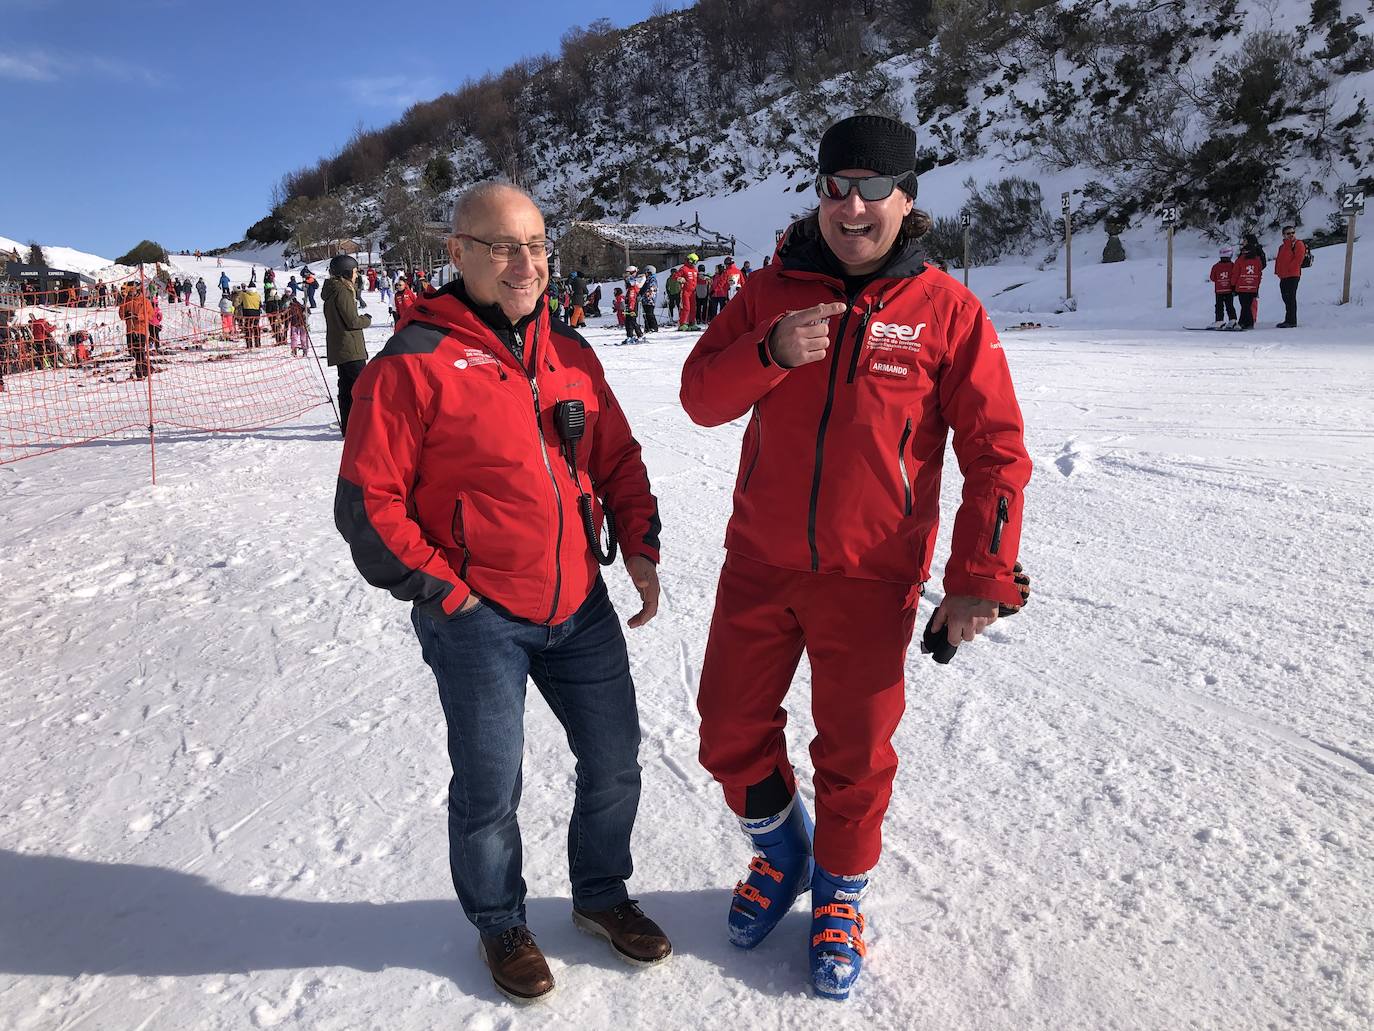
[686,274]
[1225,290]
[459,493]
[1288,267]
[853,360]
[1248,272]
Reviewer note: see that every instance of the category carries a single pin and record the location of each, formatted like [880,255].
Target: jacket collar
[452,308]
[803,249]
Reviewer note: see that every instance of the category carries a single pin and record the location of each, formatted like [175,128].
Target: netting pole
[325,379]
[152,437]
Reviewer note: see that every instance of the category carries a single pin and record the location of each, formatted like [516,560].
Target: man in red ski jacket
[465,490]
[1221,278]
[1288,267]
[687,276]
[853,360]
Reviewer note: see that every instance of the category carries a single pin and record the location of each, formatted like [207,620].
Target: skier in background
[673,288]
[1291,259]
[201,289]
[701,299]
[1221,280]
[633,284]
[344,345]
[1249,270]
[687,278]
[578,286]
[648,297]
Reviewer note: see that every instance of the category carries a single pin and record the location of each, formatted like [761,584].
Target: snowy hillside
[1145,802]
[1243,115]
[63,257]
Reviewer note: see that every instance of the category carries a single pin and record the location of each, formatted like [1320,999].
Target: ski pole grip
[936,643]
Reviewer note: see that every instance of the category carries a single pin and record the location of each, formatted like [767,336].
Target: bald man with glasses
[485,458]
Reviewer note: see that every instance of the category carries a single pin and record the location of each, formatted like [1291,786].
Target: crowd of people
[1236,280]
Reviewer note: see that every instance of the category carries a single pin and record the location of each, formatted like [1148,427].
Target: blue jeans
[481,661]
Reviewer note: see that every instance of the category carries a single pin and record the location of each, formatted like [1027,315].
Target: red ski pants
[855,634]
[687,314]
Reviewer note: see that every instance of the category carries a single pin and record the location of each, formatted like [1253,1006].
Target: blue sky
[172,120]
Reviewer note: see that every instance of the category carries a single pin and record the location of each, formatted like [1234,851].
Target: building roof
[651,238]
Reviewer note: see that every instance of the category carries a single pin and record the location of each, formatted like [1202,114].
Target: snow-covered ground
[1145,802]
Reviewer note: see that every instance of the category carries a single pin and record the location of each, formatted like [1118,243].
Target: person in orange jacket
[1288,263]
[1222,284]
[1249,271]
[137,312]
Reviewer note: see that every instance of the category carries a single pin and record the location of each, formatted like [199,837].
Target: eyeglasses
[870,187]
[503,250]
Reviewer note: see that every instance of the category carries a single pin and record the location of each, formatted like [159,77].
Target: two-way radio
[570,419]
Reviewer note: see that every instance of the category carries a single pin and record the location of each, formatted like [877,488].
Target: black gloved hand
[1022,579]
[936,643]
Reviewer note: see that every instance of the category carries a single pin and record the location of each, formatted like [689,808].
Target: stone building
[601,250]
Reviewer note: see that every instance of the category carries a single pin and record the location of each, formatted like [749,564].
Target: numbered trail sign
[1351,199]
[1168,214]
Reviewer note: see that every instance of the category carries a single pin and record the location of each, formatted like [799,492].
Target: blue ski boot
[778,874]
[837,927]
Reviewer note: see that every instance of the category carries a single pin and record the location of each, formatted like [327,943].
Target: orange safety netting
[72,374]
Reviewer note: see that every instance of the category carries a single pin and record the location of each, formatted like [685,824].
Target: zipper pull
[1003,516]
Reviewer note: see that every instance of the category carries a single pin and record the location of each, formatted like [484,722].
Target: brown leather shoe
[517,966]
[633,935]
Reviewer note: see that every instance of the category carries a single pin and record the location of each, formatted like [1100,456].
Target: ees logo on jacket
[895,336]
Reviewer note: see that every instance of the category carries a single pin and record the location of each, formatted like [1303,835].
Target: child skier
[648,297]
[1223,283]
[618,306]
[634,282]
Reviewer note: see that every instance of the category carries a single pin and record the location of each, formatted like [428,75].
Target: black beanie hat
[868,141]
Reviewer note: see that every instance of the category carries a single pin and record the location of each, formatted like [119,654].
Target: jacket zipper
[758,448]
[820,441]
[558,501]
[901,460]
[460,531]
[858,347]
[1002,518]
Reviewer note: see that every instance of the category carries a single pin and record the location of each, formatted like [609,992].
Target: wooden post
[1068,245]
[1169,275]
[1349,255]
[966,255]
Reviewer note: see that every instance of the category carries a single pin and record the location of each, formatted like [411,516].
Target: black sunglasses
[870,187]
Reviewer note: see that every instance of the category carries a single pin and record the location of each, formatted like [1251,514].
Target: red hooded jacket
[840,465]
[1221,276]
[452,480]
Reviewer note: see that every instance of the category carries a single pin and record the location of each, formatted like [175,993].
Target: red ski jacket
[1221,276]
[1288,261]
[1247,274]
[686,273]
[840,465]
[720,284]
[452,480]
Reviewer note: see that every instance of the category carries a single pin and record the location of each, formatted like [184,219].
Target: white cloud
[391,91]
[43,66]
[35,67]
